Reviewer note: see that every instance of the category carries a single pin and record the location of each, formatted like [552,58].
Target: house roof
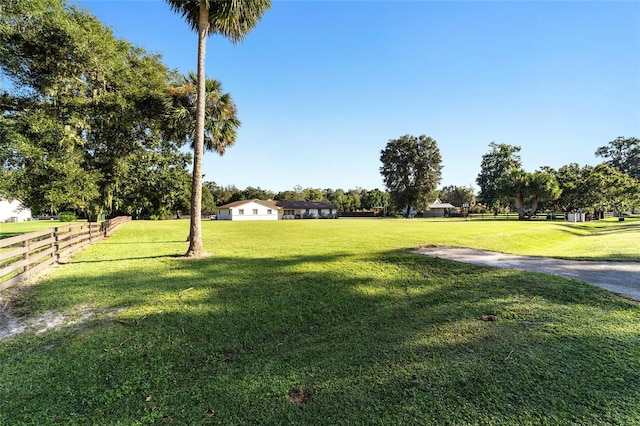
[303,205]
[268,203]
[441,206]
[438,204]
[281,204]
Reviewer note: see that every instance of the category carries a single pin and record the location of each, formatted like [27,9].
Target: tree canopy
[411,170]
[623,154]
[221,121]
[458,195]
[527,188]
[609,189]
[82,118]
[499,160]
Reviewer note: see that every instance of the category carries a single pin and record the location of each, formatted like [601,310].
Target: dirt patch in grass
[489,317]
[300,396]
[15,318]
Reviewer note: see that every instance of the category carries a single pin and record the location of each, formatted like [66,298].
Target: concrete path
[618,277]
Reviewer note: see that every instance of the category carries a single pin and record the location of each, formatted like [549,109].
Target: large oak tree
[411,170]
[81,110]
[527,189]
[499,160]
[623,154]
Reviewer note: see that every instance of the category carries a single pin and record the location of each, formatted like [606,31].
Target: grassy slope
[336,314]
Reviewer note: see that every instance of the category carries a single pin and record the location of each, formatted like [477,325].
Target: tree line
[411,170]
[350,200]
[613,185]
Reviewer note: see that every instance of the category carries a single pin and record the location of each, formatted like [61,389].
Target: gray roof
[441,206]
[293,205]
[303,205]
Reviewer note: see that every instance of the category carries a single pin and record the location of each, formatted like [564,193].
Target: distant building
[248,210]
[306,210]
[438,208]
[13,211]
[275,210]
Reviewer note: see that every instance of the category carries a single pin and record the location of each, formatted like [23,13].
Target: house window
[255,211]
[240,211]
[289,212]
[269,211]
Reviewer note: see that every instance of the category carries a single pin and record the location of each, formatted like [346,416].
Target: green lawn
[326,322]
[12,229]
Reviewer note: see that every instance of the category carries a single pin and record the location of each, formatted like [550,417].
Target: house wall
[223,214]
[12,211]
[248,209]
[301,213]
[434,213]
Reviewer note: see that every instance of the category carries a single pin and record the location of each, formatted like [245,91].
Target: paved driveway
[618,277]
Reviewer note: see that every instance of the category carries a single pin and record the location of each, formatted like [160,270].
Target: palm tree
[220,122]
[233,19]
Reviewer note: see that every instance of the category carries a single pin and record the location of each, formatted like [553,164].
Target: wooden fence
[24,255]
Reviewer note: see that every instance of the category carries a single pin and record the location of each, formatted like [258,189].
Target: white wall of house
[12,211]
[223,214]
[289,213]
[327,212]
[249,211]
[302,213]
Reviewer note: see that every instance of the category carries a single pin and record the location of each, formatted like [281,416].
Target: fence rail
[24,255]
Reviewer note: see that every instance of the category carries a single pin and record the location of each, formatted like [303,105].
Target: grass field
[12,229]
[325,322]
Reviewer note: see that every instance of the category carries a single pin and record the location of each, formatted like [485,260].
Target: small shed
[576,217]
[438,208]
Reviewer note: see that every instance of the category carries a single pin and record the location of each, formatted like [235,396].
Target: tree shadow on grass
[120,259]
[386,338]
[112,243]
[596,231]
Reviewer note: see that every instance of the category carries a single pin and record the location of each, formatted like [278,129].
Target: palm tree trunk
[195,230]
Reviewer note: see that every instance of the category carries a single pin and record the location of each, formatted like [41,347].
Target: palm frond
[221,122]
[233,19]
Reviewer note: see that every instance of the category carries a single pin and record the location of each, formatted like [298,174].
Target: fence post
[25,256]
[56,236]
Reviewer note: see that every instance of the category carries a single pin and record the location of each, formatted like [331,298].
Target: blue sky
[322,86]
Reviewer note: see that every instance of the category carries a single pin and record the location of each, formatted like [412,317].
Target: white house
[273,210]
[13,211]
[248,210]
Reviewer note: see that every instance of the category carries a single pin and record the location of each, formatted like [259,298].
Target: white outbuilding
[13,211]
[438,209]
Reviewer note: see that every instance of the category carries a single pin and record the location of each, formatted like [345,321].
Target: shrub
[67,217]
